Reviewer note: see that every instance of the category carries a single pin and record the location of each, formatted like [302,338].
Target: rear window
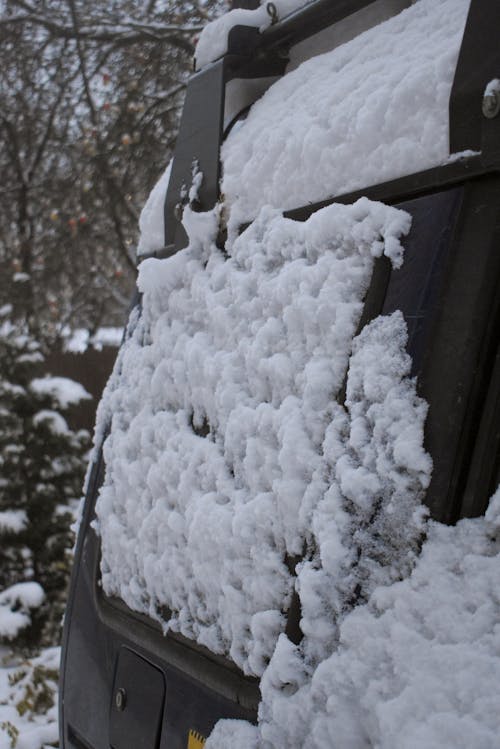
[229,455]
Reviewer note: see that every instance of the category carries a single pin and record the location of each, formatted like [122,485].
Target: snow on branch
[65,391]
[12,521]
[16,603]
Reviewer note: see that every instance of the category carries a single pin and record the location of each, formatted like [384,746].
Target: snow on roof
[373,109]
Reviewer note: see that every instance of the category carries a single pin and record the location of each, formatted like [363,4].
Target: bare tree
[90,97]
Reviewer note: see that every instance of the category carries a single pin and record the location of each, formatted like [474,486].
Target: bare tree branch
[129,31]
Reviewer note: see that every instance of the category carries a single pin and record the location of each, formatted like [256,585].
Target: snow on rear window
[374,109]
[228,451]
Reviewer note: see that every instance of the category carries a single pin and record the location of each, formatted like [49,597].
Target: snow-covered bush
[16,604]
[41,465]
[28,701]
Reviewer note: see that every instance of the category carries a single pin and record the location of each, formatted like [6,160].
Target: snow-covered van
[291,530]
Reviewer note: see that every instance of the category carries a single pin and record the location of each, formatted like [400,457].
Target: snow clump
[417,667]
[12,521]
[151,220]
[65,391]
[16,602]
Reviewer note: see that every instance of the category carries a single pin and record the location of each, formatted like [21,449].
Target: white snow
[228,448]
[79,340]
[12,521]
[371,110]
[35,357]
[252,349]
[374,109]
[28,701]
[53,420]
[213,39]
[197,179]
[106,336]
[417,667]
[65,391]
[460,155]
[152,220]
[492,88]
[21,277]
[15,604]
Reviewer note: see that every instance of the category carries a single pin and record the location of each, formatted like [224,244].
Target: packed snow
[371,110]
[213,39]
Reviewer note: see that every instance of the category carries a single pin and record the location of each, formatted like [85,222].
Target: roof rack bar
[249,54]
[245,4]
[309,20]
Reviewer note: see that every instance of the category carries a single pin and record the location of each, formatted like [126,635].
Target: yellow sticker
[195,740]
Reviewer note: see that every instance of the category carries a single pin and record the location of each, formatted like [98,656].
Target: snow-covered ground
[28,700]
